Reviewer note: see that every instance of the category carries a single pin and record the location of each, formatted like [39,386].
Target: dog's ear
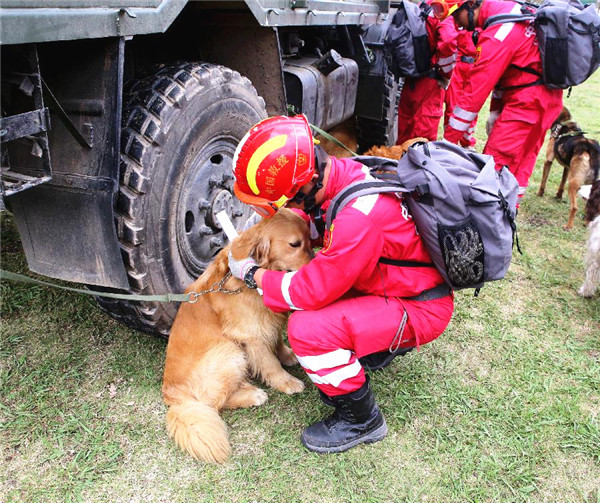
[260,250]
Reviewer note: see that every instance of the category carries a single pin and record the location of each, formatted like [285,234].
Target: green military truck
[120,120]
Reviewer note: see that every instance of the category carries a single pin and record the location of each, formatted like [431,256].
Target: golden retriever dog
[395,151]
[217,343]
[345,133]
[579,156]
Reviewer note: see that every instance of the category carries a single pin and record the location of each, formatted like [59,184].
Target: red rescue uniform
[460,76]
[526,111]
[422,99]
[347,304]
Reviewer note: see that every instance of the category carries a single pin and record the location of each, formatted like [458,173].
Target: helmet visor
[259,204]
[265,211]
[440,10]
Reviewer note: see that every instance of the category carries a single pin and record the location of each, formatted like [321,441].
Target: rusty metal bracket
[25,124]
[63,116]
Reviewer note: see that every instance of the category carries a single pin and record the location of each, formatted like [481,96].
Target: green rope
[326,135]
[169,297]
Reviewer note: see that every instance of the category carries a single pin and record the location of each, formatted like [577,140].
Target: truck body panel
[23,21]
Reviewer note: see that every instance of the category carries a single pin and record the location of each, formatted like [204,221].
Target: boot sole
[368,438]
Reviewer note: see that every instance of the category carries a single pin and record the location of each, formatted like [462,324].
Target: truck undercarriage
[117,149]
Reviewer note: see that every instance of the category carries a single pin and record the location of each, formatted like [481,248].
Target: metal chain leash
[217,286]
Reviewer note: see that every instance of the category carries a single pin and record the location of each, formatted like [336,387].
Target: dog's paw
[291,385]
[586,290]
[260,397]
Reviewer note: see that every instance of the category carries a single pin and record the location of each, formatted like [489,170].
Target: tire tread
[148,113]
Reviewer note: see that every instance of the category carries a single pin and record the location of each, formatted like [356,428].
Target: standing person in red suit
[422,100]
[509,62]
[351,307]
[466,54]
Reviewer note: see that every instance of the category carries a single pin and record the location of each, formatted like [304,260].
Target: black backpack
[406,44]
[568,35]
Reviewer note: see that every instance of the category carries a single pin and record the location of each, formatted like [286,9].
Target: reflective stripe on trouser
[329,341]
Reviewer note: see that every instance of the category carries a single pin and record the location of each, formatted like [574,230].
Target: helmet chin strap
[309,200]
[310,204]
[471,15]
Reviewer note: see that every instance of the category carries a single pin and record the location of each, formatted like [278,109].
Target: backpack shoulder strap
[364,188]
[357,189]
[425,9]
[507,18]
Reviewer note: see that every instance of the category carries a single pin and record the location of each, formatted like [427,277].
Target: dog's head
[279,243]
[558,126]
[568,127]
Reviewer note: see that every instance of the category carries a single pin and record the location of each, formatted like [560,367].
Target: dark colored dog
[579,156]
[592,206]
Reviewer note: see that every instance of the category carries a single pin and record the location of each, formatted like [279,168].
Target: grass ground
[504,407]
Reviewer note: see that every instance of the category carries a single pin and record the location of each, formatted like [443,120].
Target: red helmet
[272,162]
[443,8]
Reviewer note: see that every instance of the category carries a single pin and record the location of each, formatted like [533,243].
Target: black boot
[356,420]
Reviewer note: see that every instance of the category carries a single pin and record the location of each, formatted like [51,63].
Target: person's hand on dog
[239,268]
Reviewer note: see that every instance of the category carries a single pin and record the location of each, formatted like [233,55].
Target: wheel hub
[223,201]
[207,189]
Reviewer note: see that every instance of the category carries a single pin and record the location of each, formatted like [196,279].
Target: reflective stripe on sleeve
[325,361]
[448,68]
[337,376]
[445,61]
[458,125]
[464,114]
[285,289]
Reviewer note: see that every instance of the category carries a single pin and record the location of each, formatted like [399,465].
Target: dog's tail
[198,429]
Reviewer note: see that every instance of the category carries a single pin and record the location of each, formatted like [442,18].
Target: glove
[491,120]
[239,268]
[443,83]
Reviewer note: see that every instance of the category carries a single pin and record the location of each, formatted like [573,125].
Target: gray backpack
[463,208]
[568,34]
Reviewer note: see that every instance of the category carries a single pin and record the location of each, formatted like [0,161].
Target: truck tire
[181,126]
[371,132]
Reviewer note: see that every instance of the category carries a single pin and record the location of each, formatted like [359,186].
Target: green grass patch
[504,407]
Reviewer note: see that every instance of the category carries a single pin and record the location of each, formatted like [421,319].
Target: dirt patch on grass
[536,221]
[573,478]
